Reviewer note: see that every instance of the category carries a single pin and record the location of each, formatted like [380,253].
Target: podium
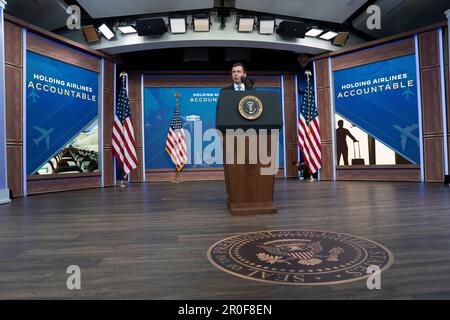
[249,191]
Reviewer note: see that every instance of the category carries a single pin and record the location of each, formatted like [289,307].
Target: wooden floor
[149,241]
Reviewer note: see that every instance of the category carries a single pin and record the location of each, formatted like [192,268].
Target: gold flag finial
[177,96]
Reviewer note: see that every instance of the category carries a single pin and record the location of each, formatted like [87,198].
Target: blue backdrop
[159,106]
[381,99]
[62,100]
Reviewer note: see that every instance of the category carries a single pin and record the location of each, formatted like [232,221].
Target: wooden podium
[249,191]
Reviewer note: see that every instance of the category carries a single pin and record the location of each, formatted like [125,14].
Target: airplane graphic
[45,135]
[33,95]
[407,92]
[405,133]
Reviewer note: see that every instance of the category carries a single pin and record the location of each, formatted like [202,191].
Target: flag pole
[123,76]
[177,107]
[308,95]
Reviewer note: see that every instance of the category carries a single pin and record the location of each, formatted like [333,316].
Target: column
[4,192]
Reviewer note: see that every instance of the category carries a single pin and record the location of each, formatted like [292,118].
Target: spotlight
[151,27]
[127,29]
[266,25]
[341,39]
[245,24]
[291,29]
[106,31]
[201,22]
[177,25]
[90,33]
[328,35]
[313,32]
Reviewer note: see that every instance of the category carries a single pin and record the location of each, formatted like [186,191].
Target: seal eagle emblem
[250,107]
[299,257]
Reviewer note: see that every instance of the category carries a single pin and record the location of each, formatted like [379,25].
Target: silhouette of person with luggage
[341,142]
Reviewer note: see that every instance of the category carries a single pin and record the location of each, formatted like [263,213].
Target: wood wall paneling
[108,120]
[13,44]
[322,74]
[289,87]
[447,82]
[291,153]
[108,116]
[215,80]
[134,87]
[108,162]
[431,100]
[14,116]
[290,122]
[108,75]
[36,186]
[15,175]
[136,111]
[408,173]
[14,107]
[62,53]
[326,172]
[137,175]
[324,110]
[379,53]
[431,106]
[185,176]
[429,49]
[434,159]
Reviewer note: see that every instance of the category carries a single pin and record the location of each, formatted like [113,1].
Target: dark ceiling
[396,15]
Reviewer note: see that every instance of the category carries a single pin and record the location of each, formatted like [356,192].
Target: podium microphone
[248,82]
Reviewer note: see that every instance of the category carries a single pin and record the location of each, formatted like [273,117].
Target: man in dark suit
[237,72]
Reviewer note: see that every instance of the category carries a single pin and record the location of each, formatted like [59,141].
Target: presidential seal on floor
[299,257]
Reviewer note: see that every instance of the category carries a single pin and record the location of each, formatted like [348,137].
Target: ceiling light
[90,33]
[266,25]
[106,31]
[313,32]
[178,25]
[341,38]
[328,35]
[246,24]
[127,29]
[201,23]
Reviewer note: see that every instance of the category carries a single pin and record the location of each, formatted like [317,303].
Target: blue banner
[381,99]
[61,103]
[196,105]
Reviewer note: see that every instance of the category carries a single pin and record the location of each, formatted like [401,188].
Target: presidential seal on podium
[250,107]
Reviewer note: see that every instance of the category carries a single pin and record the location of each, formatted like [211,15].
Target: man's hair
[239,65]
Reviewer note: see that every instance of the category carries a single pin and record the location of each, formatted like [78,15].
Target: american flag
[176,141]
[124,144]
[308,134]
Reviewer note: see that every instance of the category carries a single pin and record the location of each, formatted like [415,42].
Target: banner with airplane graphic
[61,117]
[381,100]
[198,117]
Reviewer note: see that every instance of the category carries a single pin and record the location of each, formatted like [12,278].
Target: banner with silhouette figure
[61,117]
[380,99]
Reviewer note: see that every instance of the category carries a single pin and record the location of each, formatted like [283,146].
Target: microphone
[248,82]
